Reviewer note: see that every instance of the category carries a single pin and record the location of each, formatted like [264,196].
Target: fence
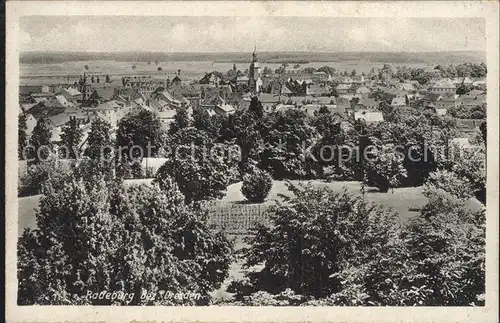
[236,218]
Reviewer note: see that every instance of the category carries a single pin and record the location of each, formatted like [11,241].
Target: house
[165,100]
[330,100]
[319,77]
[441,112]
[176,81]
[71,94]
[468,101]
[99,95]
[407,87]
[429,98]
[369,116]
[30,123]
[166,117]
[443,86]
[460,142]
[479,83]
[46,109]
[399,101]
[285,90]
[217,104]
[350,96]
[457,81]
[26,106]
[312,109]
[344,88]
[368,104]
[186,94]
[139,82]
[448,100]
[269,101]
[224,109]
[290,69]
[362,90]
[211,78]
[241,79]
[284,107]
[317,89]
[29,89]
[41,96]
[152,164]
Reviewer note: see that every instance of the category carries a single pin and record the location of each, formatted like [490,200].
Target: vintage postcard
[252,161]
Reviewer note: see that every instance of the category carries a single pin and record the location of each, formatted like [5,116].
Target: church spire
[254,55]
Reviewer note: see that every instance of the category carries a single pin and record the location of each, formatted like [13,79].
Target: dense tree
[482,128]
[100,149]
[327,149]
[309,70]
[285,152]
[446,247]
[40,142]
[313,236]
[256,107]
[478,112]
[449,182]
[71,137]
[99,141]
[122,240]
[327,69]
[181,120]
[330,248]
[463,89]
[196,166]
[384,169]
[33,182]
[202,120]
[470,164]
[144,130]
[437,259]
[242,129]
[22,136]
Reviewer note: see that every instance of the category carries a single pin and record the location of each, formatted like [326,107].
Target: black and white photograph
[226,160]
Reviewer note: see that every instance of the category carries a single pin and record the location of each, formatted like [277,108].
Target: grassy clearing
[405,201]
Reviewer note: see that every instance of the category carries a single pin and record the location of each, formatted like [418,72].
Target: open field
[69,72]
[65,67]
[240,57]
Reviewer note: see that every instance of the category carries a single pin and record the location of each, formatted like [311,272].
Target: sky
[238,34]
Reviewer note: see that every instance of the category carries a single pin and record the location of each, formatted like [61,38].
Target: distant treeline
[268,57]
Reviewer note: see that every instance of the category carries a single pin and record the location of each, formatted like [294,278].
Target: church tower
[254,80]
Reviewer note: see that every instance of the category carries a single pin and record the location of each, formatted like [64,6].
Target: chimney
[179,72]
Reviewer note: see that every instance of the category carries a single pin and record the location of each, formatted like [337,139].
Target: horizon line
[240,52]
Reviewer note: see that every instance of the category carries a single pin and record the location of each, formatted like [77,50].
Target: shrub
[256,186]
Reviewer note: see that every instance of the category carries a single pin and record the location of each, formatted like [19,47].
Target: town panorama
[252,179]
